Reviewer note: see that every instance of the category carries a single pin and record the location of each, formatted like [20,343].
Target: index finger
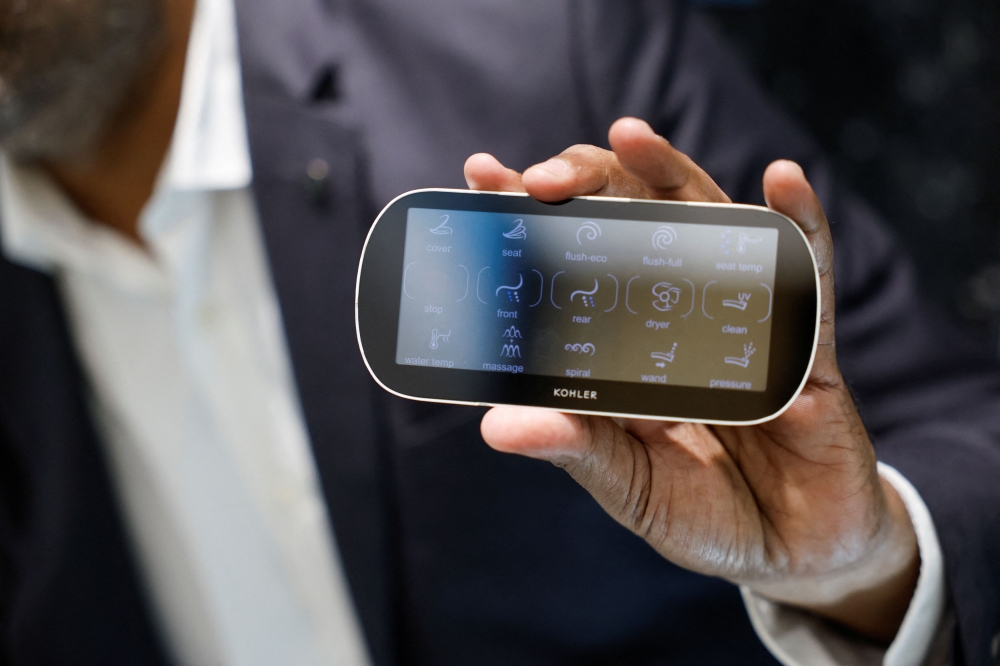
[642,165]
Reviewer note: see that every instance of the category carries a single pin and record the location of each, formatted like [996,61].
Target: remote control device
[619,307]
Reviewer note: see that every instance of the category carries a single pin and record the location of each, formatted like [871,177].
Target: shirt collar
[209,151]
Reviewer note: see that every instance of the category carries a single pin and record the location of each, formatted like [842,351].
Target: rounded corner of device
[378,380]
[766,419]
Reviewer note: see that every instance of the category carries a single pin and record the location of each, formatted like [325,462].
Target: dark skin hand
[793,508]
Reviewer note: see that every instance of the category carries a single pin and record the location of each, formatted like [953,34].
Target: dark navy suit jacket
[456,554]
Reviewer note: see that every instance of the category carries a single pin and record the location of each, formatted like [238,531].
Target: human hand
[793,508]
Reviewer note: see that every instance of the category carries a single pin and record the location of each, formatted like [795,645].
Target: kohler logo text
[573,393]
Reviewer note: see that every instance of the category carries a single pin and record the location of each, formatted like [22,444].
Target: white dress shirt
[193,395]
[192,391]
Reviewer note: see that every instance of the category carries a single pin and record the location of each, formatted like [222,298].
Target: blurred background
[904,95]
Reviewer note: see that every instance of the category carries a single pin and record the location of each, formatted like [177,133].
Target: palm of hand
[785,498]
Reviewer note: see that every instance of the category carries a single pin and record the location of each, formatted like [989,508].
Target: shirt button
[317,170]
[317,182]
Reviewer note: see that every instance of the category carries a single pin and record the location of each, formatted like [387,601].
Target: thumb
[608,462]
[788,192]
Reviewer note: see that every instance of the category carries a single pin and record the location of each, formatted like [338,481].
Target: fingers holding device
[602,302]
[664,310]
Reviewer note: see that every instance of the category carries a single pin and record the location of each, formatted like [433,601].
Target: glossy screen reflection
[619,300]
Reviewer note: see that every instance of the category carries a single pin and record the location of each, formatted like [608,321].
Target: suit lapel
[75,594]
[307,173]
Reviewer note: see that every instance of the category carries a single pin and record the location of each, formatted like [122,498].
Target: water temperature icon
[438,338]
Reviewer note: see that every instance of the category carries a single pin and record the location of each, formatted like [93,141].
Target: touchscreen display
[619,300]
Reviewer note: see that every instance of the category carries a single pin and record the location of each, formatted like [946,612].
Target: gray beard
[67,69]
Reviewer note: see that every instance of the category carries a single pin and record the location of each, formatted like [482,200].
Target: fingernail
[795,166]
[555,166]
[645,125]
